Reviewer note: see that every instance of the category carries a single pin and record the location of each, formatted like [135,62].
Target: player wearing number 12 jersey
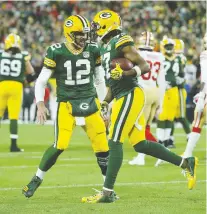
[153,83]
[15,69]
[74,63]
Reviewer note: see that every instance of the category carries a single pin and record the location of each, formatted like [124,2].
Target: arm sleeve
[161,82]
[41,84]
[203,63]
[99,82]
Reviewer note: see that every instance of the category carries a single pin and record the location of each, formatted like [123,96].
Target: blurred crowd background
[39,24]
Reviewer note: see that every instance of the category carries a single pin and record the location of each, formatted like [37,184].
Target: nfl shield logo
[86,54]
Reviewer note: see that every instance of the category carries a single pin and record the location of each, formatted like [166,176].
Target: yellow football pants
[11,96]
[127,119]
[181,109]
[65,123]
[170,105]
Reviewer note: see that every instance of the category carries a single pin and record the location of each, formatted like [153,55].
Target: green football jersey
[12,67]
[73,73]
[110,51]
[173,67]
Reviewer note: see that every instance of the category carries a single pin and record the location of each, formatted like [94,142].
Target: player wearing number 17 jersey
[153,83]
[74,64]
[15,69]
[127,119]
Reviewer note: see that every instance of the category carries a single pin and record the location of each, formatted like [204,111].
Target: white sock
[193,139]
[40,173]
[141,156]
[104,177]
[160,134]
[188,135]
[167,133]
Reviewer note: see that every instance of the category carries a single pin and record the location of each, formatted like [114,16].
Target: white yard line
[93,185]
[125,161]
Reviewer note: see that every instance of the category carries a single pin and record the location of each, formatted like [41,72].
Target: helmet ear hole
[104,27]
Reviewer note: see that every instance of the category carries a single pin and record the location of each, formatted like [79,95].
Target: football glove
[179,80]
[117,72]
[199,99]
[104,110]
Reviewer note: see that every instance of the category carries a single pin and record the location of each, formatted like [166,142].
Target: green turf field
[143,189]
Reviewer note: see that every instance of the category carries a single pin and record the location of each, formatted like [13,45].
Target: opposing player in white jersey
[153,83]
[201,103]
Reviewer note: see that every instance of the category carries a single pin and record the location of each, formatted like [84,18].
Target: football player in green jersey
[127,119]
[74,64]
[182,94]
[15,69]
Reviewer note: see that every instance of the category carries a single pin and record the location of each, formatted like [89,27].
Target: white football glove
[179,80]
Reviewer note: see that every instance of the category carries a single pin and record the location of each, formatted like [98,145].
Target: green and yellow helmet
[12,41]
[75,24]
[106,21]
[179,46]
[167,46]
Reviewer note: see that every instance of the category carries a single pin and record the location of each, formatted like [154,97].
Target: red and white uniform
[200,110]
[153,83]
[200,114]
[154,86]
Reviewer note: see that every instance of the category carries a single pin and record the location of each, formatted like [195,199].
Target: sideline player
[182,95]
[15,69]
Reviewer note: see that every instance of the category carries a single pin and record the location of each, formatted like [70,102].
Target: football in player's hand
[124,63]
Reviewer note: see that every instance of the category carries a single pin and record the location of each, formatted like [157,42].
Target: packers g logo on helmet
[106,21]
[69,23]
[105,15]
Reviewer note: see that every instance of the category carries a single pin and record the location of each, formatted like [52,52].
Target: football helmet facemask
[168,46]
[76,30]
[104,22]
[146,41]
[12,41]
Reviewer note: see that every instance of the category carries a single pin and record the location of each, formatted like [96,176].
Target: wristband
[138,70]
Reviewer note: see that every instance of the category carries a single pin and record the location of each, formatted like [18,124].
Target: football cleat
[16,149]
[190,171]
[29,190]
[107,198]
[137,161]
[95,198]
